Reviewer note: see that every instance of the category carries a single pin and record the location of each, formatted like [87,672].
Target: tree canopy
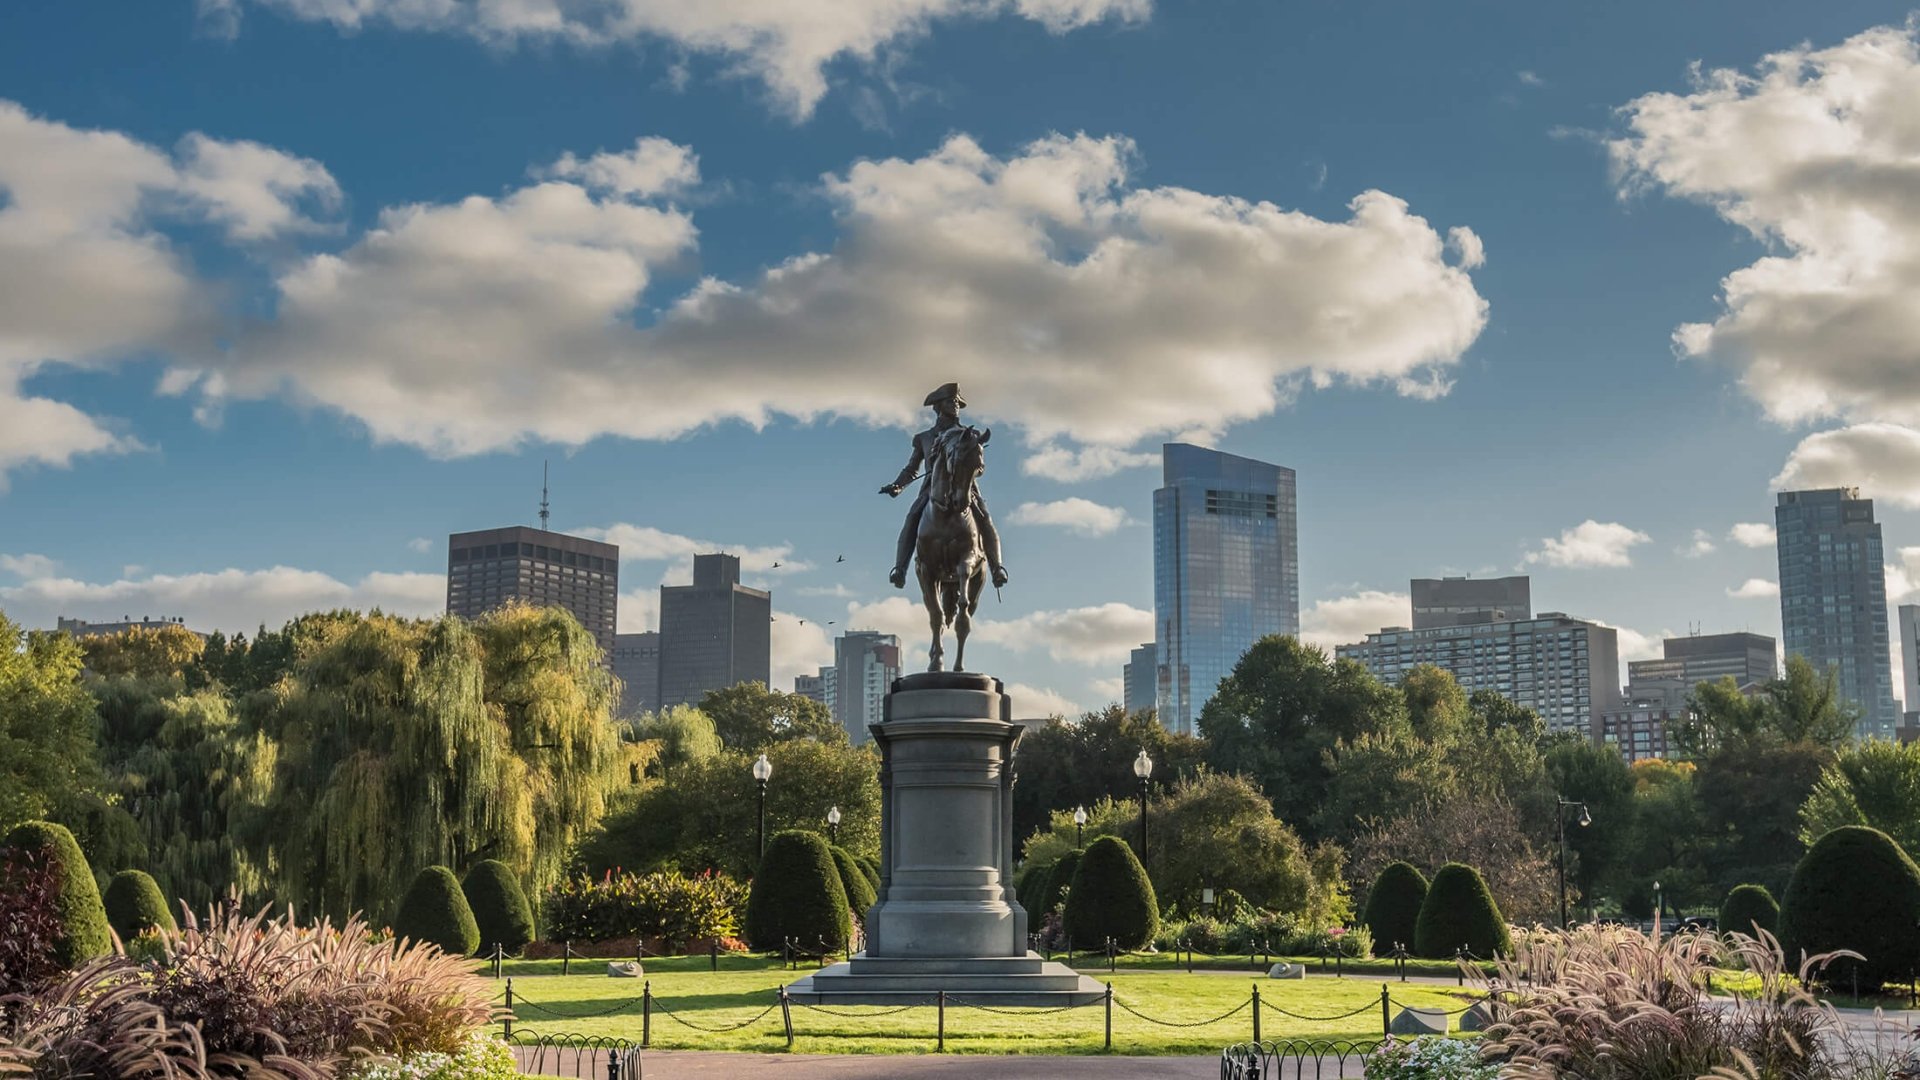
[749,718]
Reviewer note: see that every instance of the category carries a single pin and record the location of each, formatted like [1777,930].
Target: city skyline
[219,412]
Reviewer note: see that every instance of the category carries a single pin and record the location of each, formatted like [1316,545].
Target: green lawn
[687,993]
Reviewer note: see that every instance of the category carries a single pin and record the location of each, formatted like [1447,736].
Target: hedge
[1393,906]
[434,910]
[1111,898]
[871,868]
[859,892]
[1060,880]
[1854,889]
[1746,906]
[797,895]
[83,919]
[676,908]
[134,905]
[1459,913]
[500,909]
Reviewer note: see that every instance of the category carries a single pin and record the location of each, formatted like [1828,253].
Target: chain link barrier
[1236,1010]
[1368,1007]
[542,1010]
[1009,1010]
[676,1018]
[830,1011]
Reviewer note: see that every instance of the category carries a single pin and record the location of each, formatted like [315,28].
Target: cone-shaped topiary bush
[500,908]
[870,868]
[434,910]
[83,920]
[1393,906]
[859,892]
[1854,889]
[1029,887]
[135,905]
[1059,880]
[1460,913]
[797,894]
[1111,898]
[1746,906]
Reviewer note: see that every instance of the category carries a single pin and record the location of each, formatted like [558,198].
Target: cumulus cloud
[1816,154]
[1105,634]
[1882,460]
[1092,308]
[638,611]
[230,600]
[1903,577]
[1071,465]
[1110,689]
[1590,544]
[654,166]
[1033,701]
[797,649]
[1344,620]
[29,565]
[1754,589]
[420,544]
[1082,516]
[1752,534]
[1701,544]
[785,44]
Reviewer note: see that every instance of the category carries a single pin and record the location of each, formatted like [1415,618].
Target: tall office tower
[1563,668]
[1226,571]
[1458,601]
[1139,679]
[1750,659]
[1833,596]
[636,663]
[492,567]
[714,633]
[865,663]
[816,687]
[1910,662]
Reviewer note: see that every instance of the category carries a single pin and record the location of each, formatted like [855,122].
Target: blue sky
[288,287]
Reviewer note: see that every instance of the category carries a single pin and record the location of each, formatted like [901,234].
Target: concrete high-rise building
[816,687]
[1226,571]
[714,633]
[865,663]
[493,567]
[1458,601]
[1750,660]
[1833,596]
[1910,661]
[1638,729]
[636,663]
[1563,668]
[1139,680]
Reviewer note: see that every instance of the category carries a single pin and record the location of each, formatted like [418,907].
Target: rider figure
[946,403]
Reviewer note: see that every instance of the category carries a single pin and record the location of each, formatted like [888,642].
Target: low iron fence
[581,1056]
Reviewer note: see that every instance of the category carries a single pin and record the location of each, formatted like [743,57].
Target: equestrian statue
[948,533]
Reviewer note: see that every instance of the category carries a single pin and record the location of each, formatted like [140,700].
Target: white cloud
[1590,544]
[785,44]
[1110,689]
[1815,154]
[1082,516]
[638,611]
[1882,460]
[1754,589]
[1903,578]
[29,565]
[644,543]
[1752,534]
[1089,307]
[1467,247]
[420,544]
[1701,544]
[1345,620]
[654,166]
[797,649]
[1071,465]
[1034,701]
[1531,78]
[1105,634]
[231,600]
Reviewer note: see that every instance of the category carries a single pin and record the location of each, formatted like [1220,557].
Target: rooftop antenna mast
[544,513]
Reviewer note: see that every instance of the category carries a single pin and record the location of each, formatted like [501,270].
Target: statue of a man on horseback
[948,533]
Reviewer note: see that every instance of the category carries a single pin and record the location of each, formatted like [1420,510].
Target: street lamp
[1079,823]
[762,772]
[1656,911]
[1143,768]
[833,824]
[1560,819]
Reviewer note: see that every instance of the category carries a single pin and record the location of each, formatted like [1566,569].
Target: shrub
[83,919]
[29,922]
[434,910]
[1060,879]
[481,1057]
[859,892]
[871,868]
[1856,890]
[797,895]
[1459,913]
[1393,905]
[1433,1058]
[675,908]
[1111,898]
[500,909]
[1230,905]
[134,906]
[1747,906]
[1030,886]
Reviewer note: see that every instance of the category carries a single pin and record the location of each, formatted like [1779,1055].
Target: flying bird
[776,566]
[842,558]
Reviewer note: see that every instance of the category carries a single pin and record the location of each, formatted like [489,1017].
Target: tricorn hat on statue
[949,391]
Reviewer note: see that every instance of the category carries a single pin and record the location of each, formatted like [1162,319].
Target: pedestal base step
[998,981]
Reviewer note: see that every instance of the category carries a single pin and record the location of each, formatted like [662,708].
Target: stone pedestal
[946,918]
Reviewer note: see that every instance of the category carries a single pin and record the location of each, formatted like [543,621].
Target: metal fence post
[940,1047]
[1113,951]
[786,1016]
[713,952]
[507,1020]
[1459,965]
[1386,1013]
[566,955]
[496,959]
[1189,945]
[646,1013]
[1109,1016]
[1256,1012]
[613,1064]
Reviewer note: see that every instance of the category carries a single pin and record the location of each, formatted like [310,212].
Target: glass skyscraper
[1226,570]
[1833,596]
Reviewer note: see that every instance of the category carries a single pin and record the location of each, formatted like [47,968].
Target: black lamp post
[833,825]
[1143,768]
[762,772]
[1079,824]
[1560,819]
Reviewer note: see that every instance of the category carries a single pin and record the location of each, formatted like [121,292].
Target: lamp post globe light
[1079,823]
[833,824]
[762,772]
[1143,768]
[1560,819]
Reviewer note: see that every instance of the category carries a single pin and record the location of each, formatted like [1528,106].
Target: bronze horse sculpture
[948,556]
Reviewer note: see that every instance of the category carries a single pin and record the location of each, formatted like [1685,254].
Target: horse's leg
[930,595]
[963,620]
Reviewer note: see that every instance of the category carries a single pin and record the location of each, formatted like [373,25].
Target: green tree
[1393,906]
[1855,890]
[1111,898]
[501,913]
[1667,840]
[435,910]
[749,718]
[797,895]
[1069,763]
[1437,708]
[134,905]
[46,724]
[685,734]
[1218,831]
[1874,783]
[1802,708]
[1492,713]
[1459,913]
[1748,907]
[1376,776]
[83,919]
[146,652]
[1750,799]
[1595,775]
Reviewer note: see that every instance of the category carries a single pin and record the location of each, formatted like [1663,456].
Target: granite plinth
[1004,981]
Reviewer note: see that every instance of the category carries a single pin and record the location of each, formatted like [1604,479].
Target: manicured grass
[687,993]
